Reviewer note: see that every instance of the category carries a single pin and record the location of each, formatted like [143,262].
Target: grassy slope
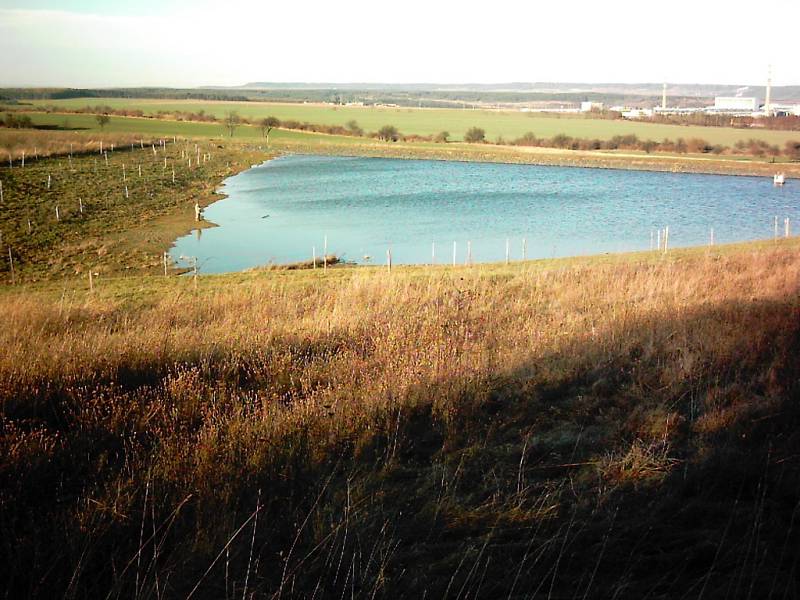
[509,125]
[623,426]
[113,233]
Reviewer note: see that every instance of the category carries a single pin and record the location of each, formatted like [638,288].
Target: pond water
[277,212]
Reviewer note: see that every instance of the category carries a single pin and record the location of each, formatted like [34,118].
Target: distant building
[735,104]
[785,110]
[637,113]
[590,106]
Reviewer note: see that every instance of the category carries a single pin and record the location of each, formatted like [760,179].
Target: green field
[282,140]
[509,125]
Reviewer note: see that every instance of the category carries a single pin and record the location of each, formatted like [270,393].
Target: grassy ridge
[612,427]
[508,124]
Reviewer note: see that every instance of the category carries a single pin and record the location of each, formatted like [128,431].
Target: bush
[528,139]
[354,128]
[474,135]
[792,150]
[388,133]
[442,137]
[15,122]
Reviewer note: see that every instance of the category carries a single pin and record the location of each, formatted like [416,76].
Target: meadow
[285,140]
[506,124]
[621,426]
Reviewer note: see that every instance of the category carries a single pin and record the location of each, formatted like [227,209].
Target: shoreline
[342,262]
[465,153]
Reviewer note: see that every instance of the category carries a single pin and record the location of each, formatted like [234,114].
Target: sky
[183,43]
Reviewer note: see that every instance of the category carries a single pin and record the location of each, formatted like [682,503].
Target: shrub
[792,149]
[354,128]
[528,139]
[474,135]
[388,133]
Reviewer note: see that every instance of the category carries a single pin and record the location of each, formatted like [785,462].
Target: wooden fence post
[11,264]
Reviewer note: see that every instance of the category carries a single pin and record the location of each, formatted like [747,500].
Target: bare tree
[268,125]
[231,121]
[388,133]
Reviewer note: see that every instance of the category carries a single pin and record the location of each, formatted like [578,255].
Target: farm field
[509,125]
[282,140]
[614,426]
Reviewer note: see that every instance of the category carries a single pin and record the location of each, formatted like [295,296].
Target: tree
[528,139]
[649,145]
[793,150]
[354,128]
[442,137]
[102,120]
[388,133]
[231,121]
[474,135]
[268,125]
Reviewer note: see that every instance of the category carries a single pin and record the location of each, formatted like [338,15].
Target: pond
[283,210]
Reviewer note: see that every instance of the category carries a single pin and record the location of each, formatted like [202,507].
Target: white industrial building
[735,104]
[590,106]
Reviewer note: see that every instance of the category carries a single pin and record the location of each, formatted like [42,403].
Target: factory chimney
[664,97]
[767,110]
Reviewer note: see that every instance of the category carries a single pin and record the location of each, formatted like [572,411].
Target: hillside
[620,426]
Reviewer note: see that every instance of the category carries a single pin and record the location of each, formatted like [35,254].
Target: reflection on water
[281,210]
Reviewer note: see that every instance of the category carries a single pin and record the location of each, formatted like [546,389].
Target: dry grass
[112,213]
[552,429]
[47,143]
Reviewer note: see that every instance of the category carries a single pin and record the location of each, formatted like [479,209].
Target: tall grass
[591,428]
[47,143]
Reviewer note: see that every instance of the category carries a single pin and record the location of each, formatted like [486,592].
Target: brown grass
[47,143]
[549,429]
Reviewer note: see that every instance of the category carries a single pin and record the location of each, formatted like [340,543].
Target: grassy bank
[110,213]
[623,426]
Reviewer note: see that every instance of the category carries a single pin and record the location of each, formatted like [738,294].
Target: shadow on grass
[659,470]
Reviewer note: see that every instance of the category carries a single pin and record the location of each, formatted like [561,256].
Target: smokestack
[664,97]
[769,91]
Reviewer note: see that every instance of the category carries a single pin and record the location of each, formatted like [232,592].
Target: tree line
[474,135]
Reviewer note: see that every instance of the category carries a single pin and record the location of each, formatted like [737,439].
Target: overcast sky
[89,43]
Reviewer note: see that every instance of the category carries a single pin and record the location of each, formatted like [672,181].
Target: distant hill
[503,95]
[698,90]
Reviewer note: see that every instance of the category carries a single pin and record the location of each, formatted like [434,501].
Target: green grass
[508,124]
[113,233]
